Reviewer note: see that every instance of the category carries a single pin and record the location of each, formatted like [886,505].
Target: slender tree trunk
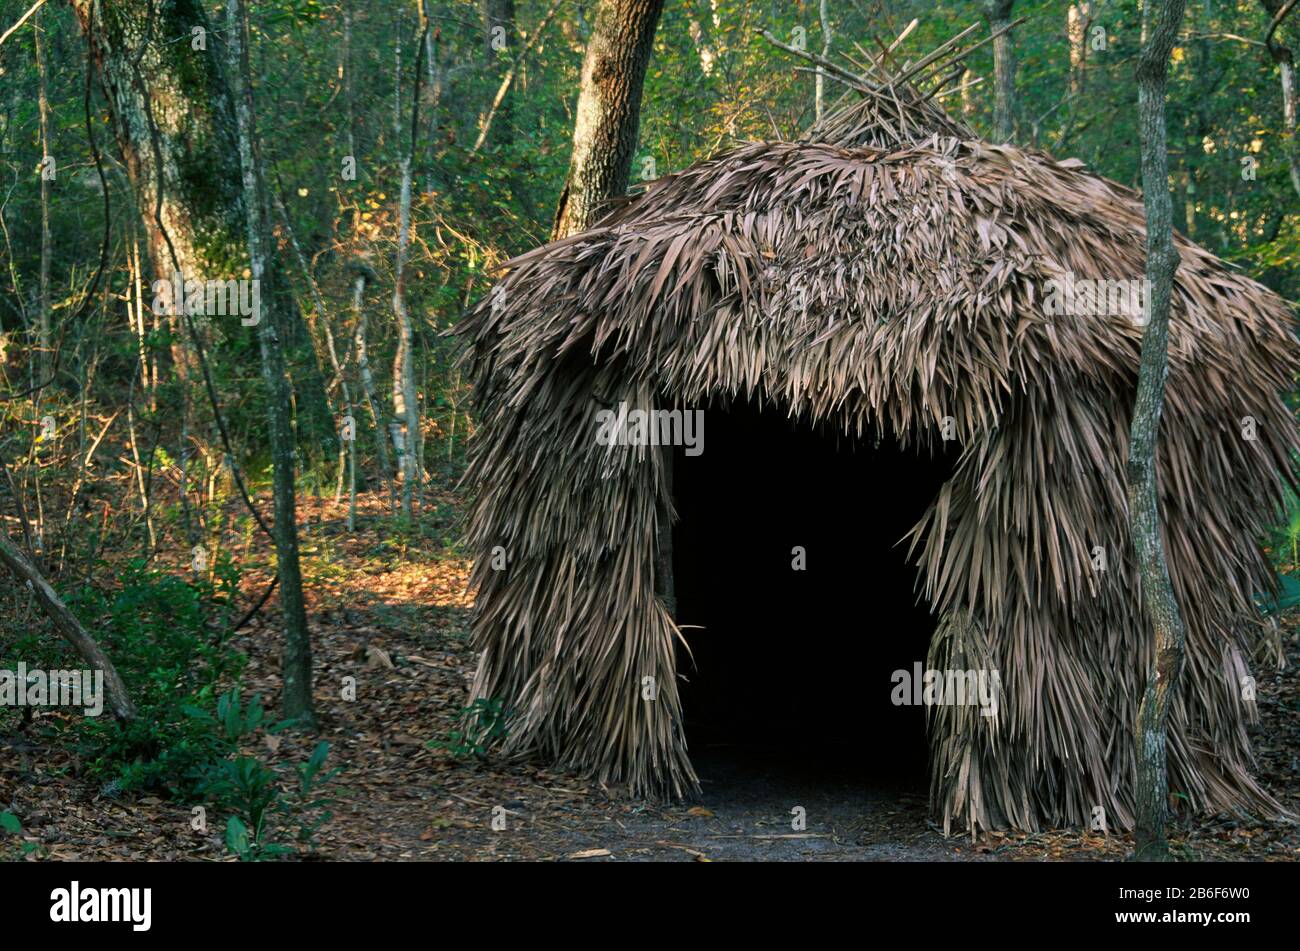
[998,14]
[296,702]
[397,74]
[135,305]
[352,482]
[967,99]
[431,36]
[359,316]
[349,94]
[820,93]
[1160,22]
[362,273]
[346,444]
[135,313]
[406,406]
[1285,59]
[1078,19]
[43,338]
[42,362]
[609,111]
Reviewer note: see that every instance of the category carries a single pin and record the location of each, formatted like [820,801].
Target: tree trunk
[361,274]
[1078,19]
[1285,59]
[174,123]
[609,111]
[43,104]
[349,93]
[406,406]
[819,98]
[296,702]
[998,14]
[1160,22]
[346,444]
[397,73]
[499,29]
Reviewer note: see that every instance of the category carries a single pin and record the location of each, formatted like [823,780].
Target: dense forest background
[491,152]
[130,441]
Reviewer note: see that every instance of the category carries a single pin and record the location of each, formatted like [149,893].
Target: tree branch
[118,699]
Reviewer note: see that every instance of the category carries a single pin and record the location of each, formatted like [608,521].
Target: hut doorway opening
[791,666]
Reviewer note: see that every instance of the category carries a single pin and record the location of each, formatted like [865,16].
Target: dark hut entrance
[790,677]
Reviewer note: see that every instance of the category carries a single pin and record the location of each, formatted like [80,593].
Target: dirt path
[758,805]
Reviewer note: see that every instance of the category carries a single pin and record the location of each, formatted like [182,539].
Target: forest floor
[394,616]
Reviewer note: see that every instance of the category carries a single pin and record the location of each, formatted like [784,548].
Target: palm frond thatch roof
[883,276]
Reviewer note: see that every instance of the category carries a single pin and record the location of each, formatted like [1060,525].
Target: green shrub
[164,634]
[10,826]
[262,811]
[483,722]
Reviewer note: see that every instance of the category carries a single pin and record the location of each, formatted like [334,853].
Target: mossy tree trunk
[1160,22]
[174,123]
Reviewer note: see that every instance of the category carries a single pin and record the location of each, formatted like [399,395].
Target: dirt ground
[394,617]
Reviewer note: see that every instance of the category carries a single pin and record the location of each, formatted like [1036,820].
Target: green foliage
[10,825]
[233,721]
[483,722]
[262,810]
[1285,537]
[308,809]
[158,629]
[247,786]
[1288,596]
[300,12]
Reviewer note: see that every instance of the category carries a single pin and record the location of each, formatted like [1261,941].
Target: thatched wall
[882,290]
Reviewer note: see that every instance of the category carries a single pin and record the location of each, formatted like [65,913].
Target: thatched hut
[882,281]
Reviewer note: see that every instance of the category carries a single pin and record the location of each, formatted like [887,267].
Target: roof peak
[898,104]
